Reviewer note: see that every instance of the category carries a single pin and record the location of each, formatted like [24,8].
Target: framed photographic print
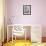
[26,9]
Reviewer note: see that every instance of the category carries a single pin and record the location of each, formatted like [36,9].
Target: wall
[38,12]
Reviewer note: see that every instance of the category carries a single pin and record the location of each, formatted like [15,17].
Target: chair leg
[15,38]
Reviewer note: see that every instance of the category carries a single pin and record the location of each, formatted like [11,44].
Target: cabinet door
[36,33]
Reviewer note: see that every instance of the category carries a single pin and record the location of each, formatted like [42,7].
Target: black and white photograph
[26,9]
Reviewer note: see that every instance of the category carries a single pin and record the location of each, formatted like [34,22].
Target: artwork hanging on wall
[26,9]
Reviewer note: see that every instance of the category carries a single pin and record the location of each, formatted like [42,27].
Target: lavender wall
[38,12]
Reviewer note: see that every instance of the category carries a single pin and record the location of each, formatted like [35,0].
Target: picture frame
[26,9]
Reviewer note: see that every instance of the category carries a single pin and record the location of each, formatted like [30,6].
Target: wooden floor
[25,43]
